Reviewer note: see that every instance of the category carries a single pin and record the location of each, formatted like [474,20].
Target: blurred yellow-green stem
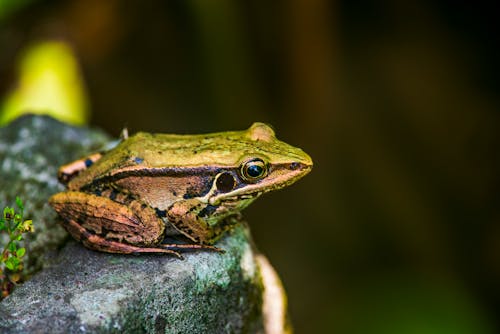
[49,82]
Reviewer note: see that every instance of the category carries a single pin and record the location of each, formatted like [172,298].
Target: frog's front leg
[106,225]
[189,217]
[69,171]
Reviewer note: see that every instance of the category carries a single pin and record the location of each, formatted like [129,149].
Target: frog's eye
[254,170]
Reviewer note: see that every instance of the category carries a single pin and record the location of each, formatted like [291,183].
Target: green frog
[150,186]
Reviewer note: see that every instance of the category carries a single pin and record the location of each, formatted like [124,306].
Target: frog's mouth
[243,197]
[238,203]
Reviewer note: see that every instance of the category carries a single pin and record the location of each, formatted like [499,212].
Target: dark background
[396,230]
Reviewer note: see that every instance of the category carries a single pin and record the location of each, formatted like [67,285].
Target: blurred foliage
[8,7]
[397,103]
[398,304]
[14,225]
[49,83]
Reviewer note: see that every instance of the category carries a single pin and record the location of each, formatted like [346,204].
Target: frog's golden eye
[254,169]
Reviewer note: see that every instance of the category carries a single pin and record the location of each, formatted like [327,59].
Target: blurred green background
[397,229]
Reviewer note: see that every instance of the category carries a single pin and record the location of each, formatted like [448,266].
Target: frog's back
[145,151]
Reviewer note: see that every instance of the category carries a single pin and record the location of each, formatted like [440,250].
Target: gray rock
[80,290]
[31,150]
[87,291]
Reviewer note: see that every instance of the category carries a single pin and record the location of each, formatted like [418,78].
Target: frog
[153,187]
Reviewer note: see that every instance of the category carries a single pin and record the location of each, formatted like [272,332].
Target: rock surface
[80,290]
[87,291]
[31,150]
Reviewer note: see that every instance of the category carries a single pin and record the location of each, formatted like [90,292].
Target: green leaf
[19,203]
[18,218]
[12,247]
[20,252]
[11,263]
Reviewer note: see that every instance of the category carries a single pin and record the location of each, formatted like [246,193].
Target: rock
[88,291]
[31,150]
[80,290]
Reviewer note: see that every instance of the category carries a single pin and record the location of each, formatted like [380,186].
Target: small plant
[13,224]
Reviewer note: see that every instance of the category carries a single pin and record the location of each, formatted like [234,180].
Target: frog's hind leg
[103,224]
[96,242]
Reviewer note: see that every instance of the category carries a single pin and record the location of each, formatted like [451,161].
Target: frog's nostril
[294,165]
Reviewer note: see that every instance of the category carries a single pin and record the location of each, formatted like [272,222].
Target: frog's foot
[191,247]
[96,242]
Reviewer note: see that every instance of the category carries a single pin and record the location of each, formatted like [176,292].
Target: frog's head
[265,164]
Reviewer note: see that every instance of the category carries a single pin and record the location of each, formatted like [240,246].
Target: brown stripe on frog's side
[161,187]
[155,172]
[205,172]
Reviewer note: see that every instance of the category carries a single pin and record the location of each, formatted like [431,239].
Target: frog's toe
[140,250]
[191,247]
